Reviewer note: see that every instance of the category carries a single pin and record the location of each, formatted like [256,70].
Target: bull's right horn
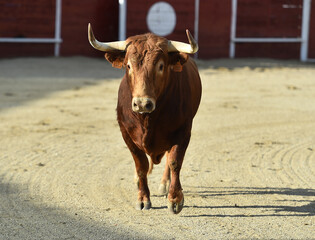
[105,47]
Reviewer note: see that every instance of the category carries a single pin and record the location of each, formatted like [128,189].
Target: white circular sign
[161,18]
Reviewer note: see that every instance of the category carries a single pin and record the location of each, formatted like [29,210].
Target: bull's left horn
[105,47]
[192,47]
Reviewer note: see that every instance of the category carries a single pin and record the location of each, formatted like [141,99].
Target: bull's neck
[146,120]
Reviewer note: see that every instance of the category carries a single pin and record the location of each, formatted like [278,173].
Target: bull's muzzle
[143,105]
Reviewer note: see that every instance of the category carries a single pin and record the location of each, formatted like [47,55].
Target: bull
[158,98]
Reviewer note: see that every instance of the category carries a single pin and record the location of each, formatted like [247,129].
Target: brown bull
[157,100]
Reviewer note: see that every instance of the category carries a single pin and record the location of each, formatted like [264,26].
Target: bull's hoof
[143,205]
[163,191]
[176,208]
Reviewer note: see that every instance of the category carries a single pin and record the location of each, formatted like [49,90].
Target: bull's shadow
[277,210]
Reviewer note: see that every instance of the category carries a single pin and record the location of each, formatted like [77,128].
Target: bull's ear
[116,58]
[177,60]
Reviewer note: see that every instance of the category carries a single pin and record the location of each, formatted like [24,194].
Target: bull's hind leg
[175,161]
[165,181]
[142,167]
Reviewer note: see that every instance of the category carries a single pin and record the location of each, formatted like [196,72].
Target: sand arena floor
[65,172]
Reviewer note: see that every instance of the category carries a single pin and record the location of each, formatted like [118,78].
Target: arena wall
[255,18]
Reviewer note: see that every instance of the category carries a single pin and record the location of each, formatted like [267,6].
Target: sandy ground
[65,172]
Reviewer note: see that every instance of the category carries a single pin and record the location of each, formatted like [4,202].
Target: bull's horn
[192,47]
[105,47]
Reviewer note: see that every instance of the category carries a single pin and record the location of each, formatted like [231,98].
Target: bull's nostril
[135,104]
[149,106]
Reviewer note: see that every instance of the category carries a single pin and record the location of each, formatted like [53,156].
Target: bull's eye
[161,67]
[128,66]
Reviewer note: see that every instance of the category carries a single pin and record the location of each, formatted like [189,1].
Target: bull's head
[148,60]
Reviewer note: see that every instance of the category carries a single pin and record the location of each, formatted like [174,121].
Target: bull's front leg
[142,167]
[175,160]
